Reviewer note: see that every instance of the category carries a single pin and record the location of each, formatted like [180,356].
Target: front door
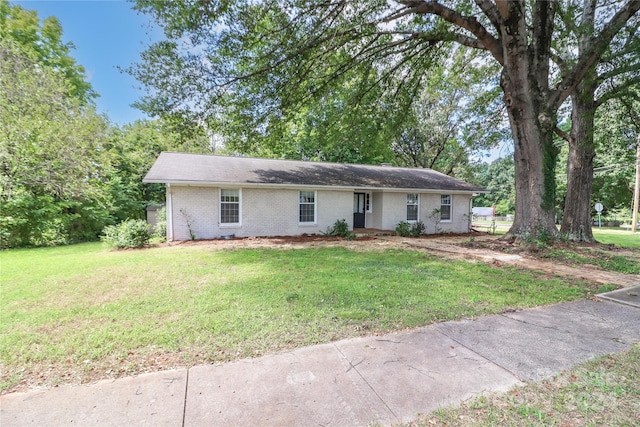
[358,210]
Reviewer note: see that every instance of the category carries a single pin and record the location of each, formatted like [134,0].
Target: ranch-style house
[209,196]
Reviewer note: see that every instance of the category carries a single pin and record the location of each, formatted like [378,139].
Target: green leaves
[441,130]
[498,178]
[133,233]
[615,137]
[47,138]
[42,41]
[50,159]
[318,81]
[295,79]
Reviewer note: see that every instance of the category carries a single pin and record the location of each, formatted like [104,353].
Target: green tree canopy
[498,178]
[130,151]
[456,115]
[65,172]
[617,128]
[50,161]
[42,41]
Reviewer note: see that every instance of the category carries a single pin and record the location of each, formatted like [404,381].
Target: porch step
[372,232]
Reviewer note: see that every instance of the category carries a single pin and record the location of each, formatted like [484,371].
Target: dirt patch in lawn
[373,242]
[466,246]
[594,256]
[293,242]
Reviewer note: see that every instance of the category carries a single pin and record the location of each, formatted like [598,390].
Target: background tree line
[65,171]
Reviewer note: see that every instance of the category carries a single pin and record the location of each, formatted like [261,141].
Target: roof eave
[309,186]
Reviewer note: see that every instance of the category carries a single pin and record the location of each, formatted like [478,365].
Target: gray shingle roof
[208,169]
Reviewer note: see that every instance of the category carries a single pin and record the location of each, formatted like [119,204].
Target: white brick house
[212,196]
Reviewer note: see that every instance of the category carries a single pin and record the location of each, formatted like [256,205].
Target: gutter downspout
[169,214]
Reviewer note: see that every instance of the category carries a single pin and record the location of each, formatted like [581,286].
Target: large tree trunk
[576,221]
[535,158]
[532,118]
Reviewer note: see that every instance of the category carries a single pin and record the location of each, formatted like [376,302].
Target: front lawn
[80,313]
[618,237]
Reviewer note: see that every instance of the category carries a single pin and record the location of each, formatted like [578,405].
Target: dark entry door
[358,210]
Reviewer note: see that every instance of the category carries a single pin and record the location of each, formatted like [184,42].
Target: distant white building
[483,211]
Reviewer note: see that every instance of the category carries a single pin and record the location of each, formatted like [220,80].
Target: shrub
[133,233]
[340,228]
[417,229]
[403,229]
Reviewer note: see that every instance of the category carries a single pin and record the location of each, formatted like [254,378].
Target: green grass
[618,237]
[84,312]
[500,227]
[602,392]
[603,260]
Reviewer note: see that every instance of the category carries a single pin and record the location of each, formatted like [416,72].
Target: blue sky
[107,35]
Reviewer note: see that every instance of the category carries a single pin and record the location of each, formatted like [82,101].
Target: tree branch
[618,71]
[451,36]
[469,23]
[598,45]
[616,91]
[491,12]
[562,134]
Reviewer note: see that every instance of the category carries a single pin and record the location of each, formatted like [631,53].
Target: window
[445,207]
[412,207]
[307,207]
[229,206]
[367,202]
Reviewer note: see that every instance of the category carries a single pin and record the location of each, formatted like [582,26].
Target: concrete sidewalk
[374,380]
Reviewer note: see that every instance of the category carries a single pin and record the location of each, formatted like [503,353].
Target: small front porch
[372,232]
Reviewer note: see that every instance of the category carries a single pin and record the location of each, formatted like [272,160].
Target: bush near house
[405,229]
[340,228]
[417,229]
[133,233]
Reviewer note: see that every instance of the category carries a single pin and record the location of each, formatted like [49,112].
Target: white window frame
[450,204]
[368,202]
[315,207]
[220,202]
[416,204]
